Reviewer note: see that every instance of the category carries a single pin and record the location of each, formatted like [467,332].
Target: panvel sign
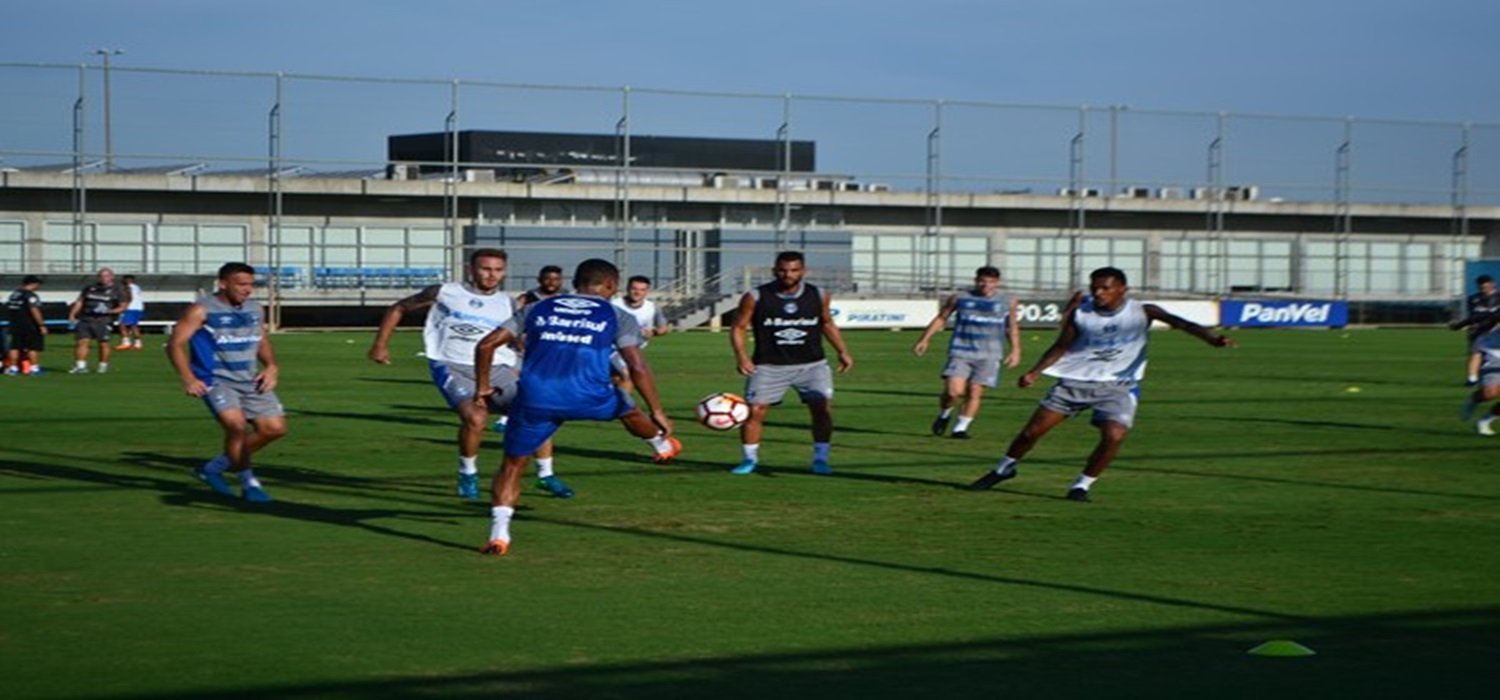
[882,313]
[1284,313]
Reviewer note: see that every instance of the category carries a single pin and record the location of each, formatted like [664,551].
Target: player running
[462,313]
[568,340]
[1099,359]
[214,348]
[1487,346]
[984,327]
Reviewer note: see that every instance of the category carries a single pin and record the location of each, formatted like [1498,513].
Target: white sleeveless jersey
[647,316]
[1111,347]
[137,299]
[459,319]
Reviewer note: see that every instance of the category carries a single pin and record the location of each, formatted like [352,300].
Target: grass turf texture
[1258,499]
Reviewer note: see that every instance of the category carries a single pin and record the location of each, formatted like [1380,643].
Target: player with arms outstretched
[568,339]
[1099,359]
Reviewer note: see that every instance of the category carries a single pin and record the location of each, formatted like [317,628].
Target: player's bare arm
[192,319]
[835,338]
[737,335]
[1156,313]
[484,358]
[936,324]
[380,349]
[1013,334]
[270,370]
[645,383]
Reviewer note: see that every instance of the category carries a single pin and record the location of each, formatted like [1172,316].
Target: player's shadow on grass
[1414,654]
[395,380]
[1298,423]
[372,417]
[887,392]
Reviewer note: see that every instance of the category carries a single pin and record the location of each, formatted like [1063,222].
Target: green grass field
[1261,497]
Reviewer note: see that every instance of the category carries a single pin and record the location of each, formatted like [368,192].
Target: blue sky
[1387,59]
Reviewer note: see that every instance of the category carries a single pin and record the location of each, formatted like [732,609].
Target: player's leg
[101,331]
[234,457]
[973,395]
[80,350]
[1042,421]
[763,388]
[1488,392]
[547,479]
[820,410]
[640,425]
[456,384]
[505,493]
[1112,435]
[268,429]
[952,396]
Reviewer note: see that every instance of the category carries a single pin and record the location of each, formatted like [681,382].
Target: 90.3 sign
[1040,313]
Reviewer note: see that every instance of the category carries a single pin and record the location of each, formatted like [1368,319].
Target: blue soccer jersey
[568,341]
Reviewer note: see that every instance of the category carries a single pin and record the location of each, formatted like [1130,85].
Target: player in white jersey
[460,314]
[130,321]
[647,315]
[1487,346]
[1099,359]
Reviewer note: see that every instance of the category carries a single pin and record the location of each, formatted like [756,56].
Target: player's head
[596,276]
[236,282]
[1108,286]
[128,279]
[550,279]
[31,282]
[789,269]
[987,279]
[487,268]
[106,276]
[1485,283]
[637,289]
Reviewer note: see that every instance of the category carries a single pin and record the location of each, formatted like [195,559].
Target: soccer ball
[723,411]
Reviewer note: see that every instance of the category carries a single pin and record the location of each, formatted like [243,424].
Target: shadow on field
[172,478]
[374,417]
[1430,654]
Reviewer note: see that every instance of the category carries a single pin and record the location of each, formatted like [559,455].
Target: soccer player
[647,316]
[91,314]
[1482,313]
[984,327]
[214,348]
[28,330]
[790,319]
[548,284]
[460,314]
[130,321]
[1099,359]
[1487,346]
[568,340]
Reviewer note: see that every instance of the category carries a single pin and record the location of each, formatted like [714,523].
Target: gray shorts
[93,328]
[813,382]
[456,383]
[974,371]
[1489,377]
[227,396]
[1109,401]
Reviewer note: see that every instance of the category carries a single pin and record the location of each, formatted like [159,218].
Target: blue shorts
[131,318]
[529,427]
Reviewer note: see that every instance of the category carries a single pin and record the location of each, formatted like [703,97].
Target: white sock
[963,423]
[660,443]
[1084,482]
[751,452]
[1473,379]
[1487,420]
[500,522]
[468,465]
[945,413]
[1006,462]
[103,366]
[81,364]
[820,451]
[247,479]
[543,467]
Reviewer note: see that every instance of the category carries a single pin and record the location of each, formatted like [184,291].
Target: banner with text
[883,313]
[1252,314]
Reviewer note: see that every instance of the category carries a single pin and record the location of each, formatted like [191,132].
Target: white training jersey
[647,316]
[1488,347]
[460,318]
[1111,347]
[137,300]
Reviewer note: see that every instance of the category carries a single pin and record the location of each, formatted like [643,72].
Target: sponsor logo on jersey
[476,303]
[465,329]
[790,336]
[789,307]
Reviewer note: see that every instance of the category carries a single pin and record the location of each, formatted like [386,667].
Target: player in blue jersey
[984,325]
[215,347]
[1099,360]
[566,376]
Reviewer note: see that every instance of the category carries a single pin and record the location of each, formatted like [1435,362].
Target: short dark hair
[31,279]
[639,278]
[231,268]
[1484,278]
[549,269]
[128,278]
[988,271]
[790,256]
[1114,272]
[487,253]
[594,272]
